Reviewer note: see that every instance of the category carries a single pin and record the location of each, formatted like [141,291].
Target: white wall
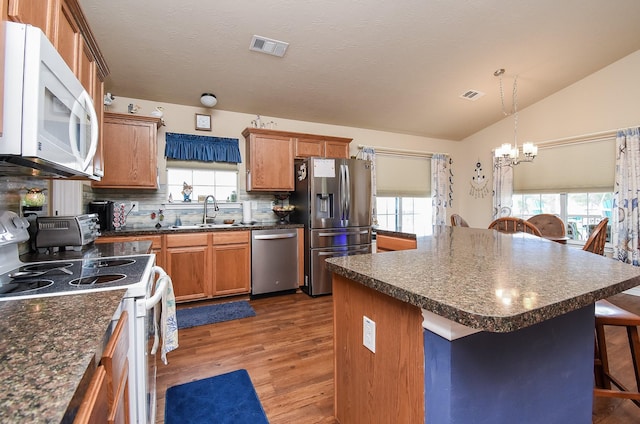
[606,100]
[181,119]
[603,101]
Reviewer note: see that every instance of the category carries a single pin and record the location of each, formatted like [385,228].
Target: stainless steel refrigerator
[333,201]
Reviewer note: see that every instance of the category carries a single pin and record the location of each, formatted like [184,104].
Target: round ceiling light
[208,99]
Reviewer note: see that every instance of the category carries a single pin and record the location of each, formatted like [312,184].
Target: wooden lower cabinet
[188,262]
[206,265]
[390,243]
[231,263]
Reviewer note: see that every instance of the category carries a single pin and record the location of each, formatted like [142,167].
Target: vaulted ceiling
[397,66]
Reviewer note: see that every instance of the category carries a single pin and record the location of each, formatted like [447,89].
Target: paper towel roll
[246,212]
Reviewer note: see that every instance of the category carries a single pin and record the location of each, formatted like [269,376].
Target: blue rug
[224,399]
[210,314]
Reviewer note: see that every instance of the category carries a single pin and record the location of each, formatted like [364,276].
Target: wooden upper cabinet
[66,35]
[37,13]
[86,70]
[322,146]
[3,14]
[309,148]
[269,161]
[129,152]
[270,155]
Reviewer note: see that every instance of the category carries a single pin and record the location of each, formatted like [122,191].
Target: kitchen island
[474,326]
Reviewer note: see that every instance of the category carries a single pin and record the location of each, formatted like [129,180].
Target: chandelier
[506,155]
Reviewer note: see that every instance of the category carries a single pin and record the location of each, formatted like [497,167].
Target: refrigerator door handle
[343,233]
[347,186]
[341,188]
[341,253]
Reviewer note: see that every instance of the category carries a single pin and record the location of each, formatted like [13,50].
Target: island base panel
[542,373]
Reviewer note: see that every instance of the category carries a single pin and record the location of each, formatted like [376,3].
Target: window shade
[577,167]
[403,176]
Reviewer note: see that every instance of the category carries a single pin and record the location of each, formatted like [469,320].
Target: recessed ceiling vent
[268,46]
[472,95]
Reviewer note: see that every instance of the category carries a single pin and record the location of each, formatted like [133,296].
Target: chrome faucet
[205,217]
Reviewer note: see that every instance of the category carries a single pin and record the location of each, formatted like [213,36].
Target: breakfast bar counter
[473,326]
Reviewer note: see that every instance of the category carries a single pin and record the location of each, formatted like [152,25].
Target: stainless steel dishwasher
[274,261]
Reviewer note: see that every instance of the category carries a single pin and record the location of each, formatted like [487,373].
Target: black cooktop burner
[23,286]
[46,266]
[97,279]
[104,263]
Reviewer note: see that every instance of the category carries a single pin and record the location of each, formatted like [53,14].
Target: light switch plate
[369,333]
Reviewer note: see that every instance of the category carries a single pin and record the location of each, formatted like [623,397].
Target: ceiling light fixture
[505,154]
[208,99]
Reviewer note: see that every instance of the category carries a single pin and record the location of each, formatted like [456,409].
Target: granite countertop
[49,348]
[488,280]
[92,250]
[168,230]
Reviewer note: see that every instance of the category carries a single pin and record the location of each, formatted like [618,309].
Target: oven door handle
[161,287]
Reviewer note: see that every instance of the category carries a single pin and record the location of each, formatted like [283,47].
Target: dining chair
[595,242]
[458,221]
[549,225]
[510,224]
[608,314]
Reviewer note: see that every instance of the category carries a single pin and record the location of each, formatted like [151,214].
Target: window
[403,193]
[219,182]
[581,212]
[405,214]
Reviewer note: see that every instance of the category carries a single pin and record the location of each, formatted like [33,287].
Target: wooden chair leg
[602,362]
[604,379]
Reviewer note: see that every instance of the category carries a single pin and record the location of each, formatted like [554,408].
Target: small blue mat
[224,399]
[210,314]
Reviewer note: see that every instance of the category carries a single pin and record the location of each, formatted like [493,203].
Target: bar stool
[609,314]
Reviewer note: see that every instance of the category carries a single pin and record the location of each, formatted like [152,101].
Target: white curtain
[441,191]
[502,189]
[625,225]
[369,153]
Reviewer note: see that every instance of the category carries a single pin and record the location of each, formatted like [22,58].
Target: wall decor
[203,122]
[479,182]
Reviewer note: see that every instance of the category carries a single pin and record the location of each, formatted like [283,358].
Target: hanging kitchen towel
[168,325]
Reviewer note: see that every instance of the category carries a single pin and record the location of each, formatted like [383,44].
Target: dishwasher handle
[275,236]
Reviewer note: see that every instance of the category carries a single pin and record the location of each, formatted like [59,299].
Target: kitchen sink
[198,226]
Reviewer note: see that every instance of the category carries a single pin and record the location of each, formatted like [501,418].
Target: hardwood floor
[287,348]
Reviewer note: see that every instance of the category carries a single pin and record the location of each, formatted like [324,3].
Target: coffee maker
[104,209]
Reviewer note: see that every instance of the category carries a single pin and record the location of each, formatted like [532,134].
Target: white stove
[26,280]
[137,274]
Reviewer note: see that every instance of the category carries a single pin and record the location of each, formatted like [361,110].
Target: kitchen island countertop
[50,348]
[490,281]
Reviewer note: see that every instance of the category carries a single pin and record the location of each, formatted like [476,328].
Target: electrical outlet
[369,333]
[134,206]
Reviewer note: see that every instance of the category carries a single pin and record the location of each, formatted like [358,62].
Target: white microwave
[50,123]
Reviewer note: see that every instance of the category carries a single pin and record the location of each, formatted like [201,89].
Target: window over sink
[219,179]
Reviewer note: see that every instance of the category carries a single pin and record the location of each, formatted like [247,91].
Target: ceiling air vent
[268,46]
[472,95]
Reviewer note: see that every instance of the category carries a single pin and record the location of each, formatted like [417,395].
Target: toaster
[71,232]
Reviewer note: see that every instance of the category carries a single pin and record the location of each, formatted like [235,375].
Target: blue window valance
[202,148]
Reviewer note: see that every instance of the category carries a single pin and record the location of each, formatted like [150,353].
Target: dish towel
[165,322]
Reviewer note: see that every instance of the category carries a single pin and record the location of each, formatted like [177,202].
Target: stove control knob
[20,222]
